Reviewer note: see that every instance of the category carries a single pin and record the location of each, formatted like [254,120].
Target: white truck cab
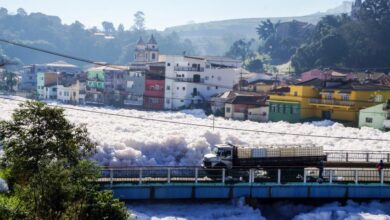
[221,157]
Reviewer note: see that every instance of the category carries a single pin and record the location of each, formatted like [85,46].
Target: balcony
[189,80]
[331,102]
[132,102]
[189,69]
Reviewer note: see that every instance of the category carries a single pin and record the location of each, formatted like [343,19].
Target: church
[146,52]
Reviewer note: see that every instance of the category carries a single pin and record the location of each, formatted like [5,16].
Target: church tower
[146,52]
[152,51]
[140,52]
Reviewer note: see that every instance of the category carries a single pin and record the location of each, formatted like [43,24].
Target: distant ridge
[216,36]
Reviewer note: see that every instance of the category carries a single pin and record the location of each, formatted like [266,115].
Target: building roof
[318,83]
[280,90]
[356,86]
[61,63]
[152,40]
[140,41]
[249,100]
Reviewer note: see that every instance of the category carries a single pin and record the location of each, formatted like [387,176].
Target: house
[146,52]
[322,74]
[246,107]
[106,85]
[135,88]
[47,85]
[377,117]
[217,102]
[192,81]
[338,100]
[71,90]
[262,86]
[29,72]
[379,78]
[154,86]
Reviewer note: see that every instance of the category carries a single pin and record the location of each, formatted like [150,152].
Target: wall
[154,94]
[377,114]
[284,111]
[259,114]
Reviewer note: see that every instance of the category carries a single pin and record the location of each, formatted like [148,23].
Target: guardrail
[356,156]
[198,175]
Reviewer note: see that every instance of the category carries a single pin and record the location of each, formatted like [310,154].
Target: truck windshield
[223,153]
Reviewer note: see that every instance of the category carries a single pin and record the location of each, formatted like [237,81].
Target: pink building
[316,74]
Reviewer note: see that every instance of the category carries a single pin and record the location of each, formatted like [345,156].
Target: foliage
[139,21]
[255,65]
[241,50]
[48,32]
[344,42]
[282,39]
[47,171]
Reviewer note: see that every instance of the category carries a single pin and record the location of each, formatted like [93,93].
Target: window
[153,56]
[216,87]
[168,101]
[168,64]
[168,88]
[206,78]
[228,110]
[295,93]
[182,100]
[208,87]
[345,97]
[219,78]
[379,98]
[295,109]
[368,120]
[280,108]
[273,108]
[184,88]
[178,88]
[284,107]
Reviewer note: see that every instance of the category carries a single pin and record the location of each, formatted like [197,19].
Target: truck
[267,158]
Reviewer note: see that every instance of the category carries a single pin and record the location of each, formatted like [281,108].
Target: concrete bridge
[195,183]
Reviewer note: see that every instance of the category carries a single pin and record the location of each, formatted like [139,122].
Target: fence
[198,175]
[356,156]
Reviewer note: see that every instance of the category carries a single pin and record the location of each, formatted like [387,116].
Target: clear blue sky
[165,13]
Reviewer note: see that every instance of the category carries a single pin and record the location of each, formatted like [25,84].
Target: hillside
[215,37]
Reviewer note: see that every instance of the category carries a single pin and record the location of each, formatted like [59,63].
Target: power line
[210,126]
[113,66]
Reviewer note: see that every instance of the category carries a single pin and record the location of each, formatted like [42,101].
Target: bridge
[166,183]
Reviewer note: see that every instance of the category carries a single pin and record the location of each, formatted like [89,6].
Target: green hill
[214,38]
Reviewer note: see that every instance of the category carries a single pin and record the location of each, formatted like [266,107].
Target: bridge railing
[198,175]
[356,156]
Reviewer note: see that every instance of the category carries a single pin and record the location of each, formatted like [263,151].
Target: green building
[284,111]
[374,117]
[96,79]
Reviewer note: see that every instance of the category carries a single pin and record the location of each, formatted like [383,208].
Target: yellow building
[318,99]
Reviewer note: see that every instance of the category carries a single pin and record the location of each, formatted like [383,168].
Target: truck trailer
[267,158]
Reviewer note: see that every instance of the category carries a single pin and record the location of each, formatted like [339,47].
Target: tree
[266,29]
[3,12]
[255,65]
[21,12]
[108,27]
[48,172]
[139,21]
[241,49]
[121,28]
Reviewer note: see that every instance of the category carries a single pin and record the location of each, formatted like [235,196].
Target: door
[326,115]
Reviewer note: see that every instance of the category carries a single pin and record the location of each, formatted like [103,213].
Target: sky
[160,14]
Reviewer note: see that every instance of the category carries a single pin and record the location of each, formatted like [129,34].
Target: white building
[193,80]
[72,93]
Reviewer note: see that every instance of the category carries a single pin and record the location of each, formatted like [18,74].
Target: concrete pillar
[196,175]
[169,175]
[279,176]
[140,176]
[330,176]
[223,175]
[367,157]
[111,177]
[382,176]
[304,176]
[356,176]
